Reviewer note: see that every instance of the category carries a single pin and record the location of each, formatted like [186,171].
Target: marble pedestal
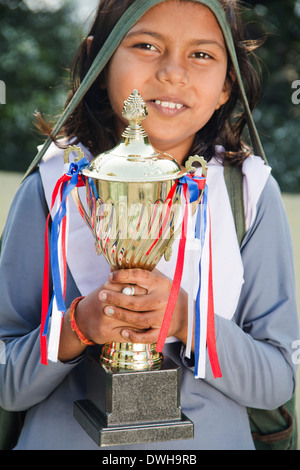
[124,408]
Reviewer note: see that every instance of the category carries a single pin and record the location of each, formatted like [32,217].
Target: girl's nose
[173,71]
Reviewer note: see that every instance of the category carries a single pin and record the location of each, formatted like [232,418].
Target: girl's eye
[145,46]
[201,55]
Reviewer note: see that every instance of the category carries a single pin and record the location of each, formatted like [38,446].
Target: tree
[278,115]
[36,50]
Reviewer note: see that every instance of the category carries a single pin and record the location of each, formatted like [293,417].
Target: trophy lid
[134,159]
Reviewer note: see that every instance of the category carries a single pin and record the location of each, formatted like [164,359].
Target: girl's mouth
[168,104]
[168,107]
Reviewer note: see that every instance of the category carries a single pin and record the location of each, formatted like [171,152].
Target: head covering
[126,22]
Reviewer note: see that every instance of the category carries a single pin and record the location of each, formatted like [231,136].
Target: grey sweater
[255,348]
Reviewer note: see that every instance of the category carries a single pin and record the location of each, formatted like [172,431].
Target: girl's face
[175,56]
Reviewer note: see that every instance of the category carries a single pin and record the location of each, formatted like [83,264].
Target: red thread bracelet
[84,341]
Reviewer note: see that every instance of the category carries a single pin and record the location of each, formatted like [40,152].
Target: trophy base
[127,408]
[89,417]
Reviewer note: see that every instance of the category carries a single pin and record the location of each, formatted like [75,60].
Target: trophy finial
[135,110]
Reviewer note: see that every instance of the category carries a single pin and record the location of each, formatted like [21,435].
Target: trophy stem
[130,356]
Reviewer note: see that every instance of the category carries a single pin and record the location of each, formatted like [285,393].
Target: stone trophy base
[133,407]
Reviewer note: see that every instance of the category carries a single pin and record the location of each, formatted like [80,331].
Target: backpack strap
[234,181]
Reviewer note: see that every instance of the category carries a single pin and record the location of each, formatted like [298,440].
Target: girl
[178,55]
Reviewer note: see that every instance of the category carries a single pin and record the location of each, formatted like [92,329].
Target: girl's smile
[176,58]
[168,106]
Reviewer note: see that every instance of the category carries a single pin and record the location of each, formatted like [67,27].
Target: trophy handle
[74,192]
[190,169]
[73,148]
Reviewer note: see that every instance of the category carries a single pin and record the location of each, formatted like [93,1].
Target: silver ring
[129,290]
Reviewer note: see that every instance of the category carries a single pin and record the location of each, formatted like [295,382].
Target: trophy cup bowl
[131,214]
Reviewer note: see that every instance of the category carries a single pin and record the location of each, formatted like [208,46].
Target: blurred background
[38,39]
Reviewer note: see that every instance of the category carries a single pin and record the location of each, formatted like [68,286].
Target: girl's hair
[93,123]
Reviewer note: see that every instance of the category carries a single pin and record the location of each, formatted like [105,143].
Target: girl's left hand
[144,310]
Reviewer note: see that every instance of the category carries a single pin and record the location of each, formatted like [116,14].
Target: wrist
[72,315]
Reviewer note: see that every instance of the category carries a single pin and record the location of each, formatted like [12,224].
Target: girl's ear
[89,41]
[225,94]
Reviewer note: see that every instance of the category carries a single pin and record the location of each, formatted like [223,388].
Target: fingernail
[125,334]
[103,296]
[109,311]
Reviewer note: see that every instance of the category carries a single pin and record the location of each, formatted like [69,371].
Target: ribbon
[56,305]
[204,305]
[200,307]
[191,187]
[195,184]
[176,282]
[168,201]
[211,335]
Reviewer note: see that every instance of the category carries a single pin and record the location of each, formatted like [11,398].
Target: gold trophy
[134,392]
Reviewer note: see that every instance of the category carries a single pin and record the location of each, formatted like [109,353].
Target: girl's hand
[95,324]
[140,316]
[107,314]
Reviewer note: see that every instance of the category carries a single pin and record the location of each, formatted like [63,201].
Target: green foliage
[37,49]
[277,117]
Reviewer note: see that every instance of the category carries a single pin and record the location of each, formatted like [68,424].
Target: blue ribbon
[76,168]
[200,230]
[192,185]
[73,173]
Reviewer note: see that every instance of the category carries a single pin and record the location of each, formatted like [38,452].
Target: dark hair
[93,123]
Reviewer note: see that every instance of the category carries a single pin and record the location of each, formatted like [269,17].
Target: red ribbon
[211,333]
[169,204]
[46,275]
[173,296]
[176,281]
[45,297]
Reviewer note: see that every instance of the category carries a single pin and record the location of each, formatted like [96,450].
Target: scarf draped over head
[126,22]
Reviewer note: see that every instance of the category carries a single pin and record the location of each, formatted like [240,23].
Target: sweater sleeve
[255,349]
[24,381]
